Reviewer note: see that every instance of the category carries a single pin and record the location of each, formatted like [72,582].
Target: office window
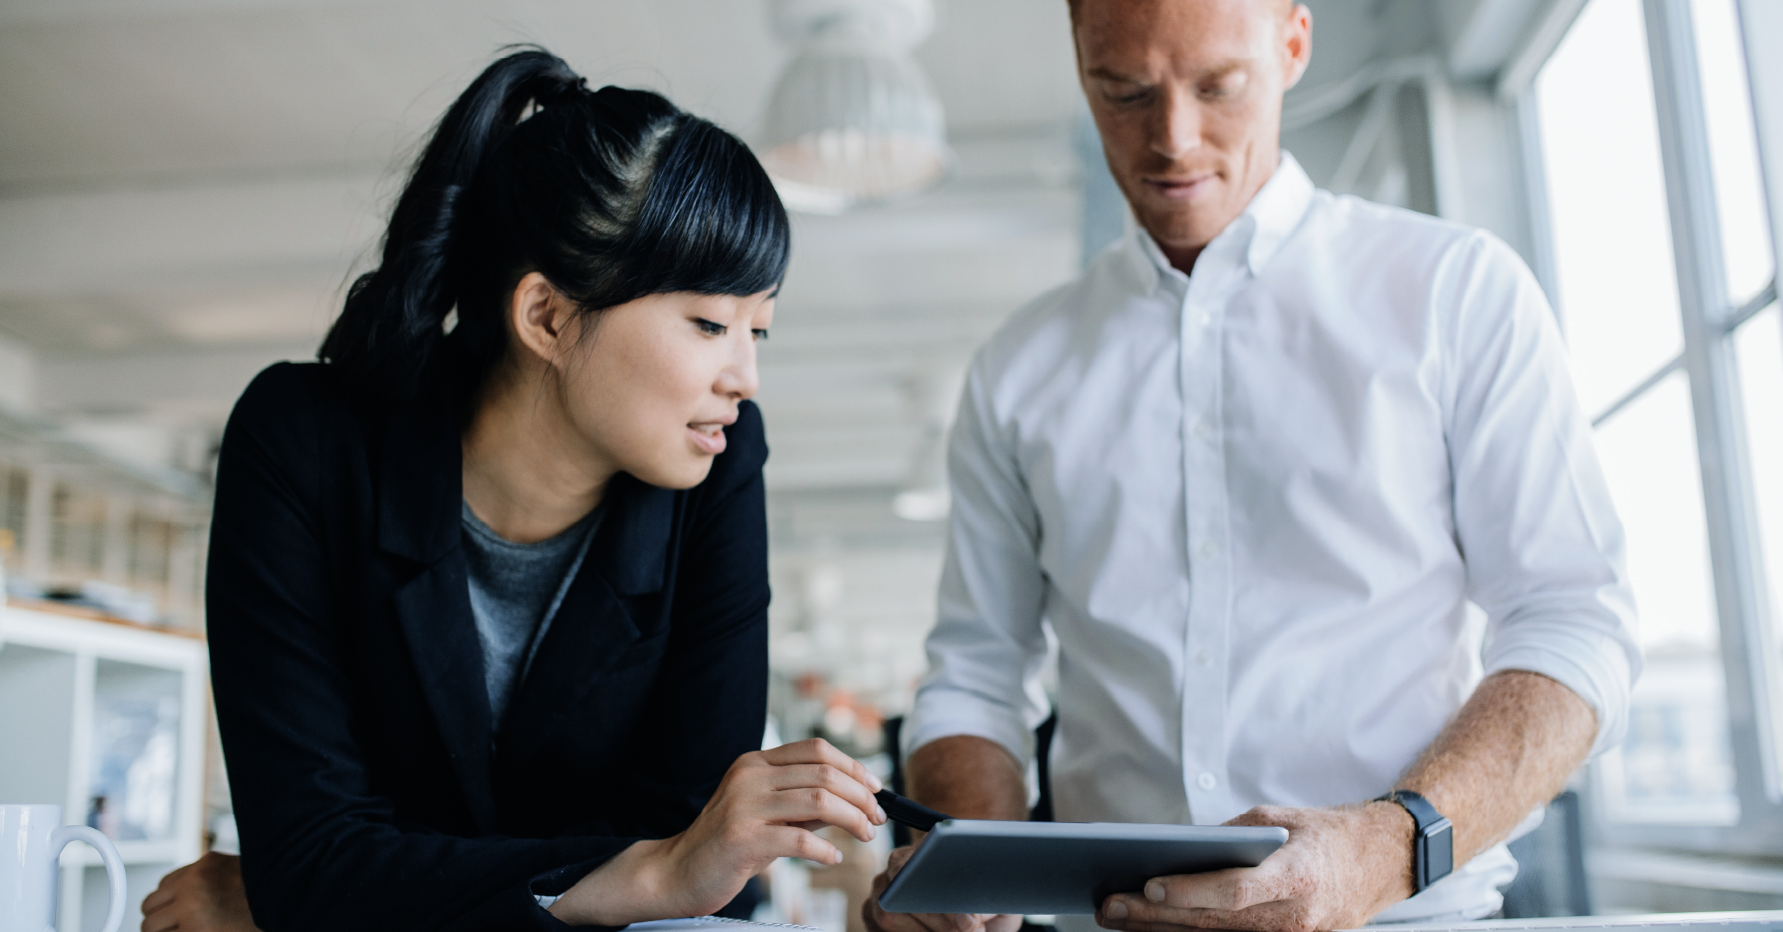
[1758,345]
[1618,292]
[1733,150]
[1618,304]
[1749,263]
[1663,260]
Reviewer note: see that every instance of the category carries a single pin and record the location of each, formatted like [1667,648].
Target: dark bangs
[711,221]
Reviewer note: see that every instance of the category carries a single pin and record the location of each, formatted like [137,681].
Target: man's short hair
[1284,7]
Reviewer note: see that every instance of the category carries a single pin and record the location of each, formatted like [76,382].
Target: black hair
[612,195]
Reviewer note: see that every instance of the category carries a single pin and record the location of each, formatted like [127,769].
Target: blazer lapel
[434,612]
[420,488]
[595,624]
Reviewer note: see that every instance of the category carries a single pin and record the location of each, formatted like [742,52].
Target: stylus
[901,810]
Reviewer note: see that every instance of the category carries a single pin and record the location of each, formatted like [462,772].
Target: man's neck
[1183,259]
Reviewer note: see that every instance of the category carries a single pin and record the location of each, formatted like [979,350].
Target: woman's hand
[767,807]
[204,896]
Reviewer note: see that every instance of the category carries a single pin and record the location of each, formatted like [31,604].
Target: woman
[488,585]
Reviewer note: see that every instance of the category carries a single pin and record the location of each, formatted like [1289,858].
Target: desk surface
[1757,921]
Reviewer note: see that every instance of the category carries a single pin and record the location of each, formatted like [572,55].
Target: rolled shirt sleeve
[1544,548]
[988,645]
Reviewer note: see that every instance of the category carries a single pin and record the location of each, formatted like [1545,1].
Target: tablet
[973,866]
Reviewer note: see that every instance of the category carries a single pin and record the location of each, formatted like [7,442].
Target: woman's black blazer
[371,788]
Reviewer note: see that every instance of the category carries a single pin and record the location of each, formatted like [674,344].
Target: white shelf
[59,676]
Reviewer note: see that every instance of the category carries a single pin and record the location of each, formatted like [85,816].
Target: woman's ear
[540,317]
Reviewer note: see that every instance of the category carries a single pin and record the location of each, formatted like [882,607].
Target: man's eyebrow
[1226,67]
[1215,70]
[1110,75]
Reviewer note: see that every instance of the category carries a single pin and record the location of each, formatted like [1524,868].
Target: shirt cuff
[1594,665]
[944,712]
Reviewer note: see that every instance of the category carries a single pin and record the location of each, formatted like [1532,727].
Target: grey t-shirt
[515,590]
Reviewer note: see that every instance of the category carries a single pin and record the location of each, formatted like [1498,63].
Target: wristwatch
[1433,839]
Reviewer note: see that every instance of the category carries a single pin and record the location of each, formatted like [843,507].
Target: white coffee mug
[31,843]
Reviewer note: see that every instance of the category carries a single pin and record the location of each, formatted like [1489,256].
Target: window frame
[1748,638]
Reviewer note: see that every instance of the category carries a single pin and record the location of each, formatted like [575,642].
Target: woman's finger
[166,891]
[161,896]
[825,776]
[811,804]
[819,751]
[784,841]
[160,920]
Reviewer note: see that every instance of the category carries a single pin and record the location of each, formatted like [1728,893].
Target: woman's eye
[710,328]
[759,333]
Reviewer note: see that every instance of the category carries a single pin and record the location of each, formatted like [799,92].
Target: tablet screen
[970,866]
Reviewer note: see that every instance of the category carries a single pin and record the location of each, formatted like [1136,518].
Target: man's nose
[1176,126]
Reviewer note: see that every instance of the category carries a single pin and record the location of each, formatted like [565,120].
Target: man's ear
[540,317]
[1297,33]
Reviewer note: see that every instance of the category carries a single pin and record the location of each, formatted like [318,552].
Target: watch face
[1439,848]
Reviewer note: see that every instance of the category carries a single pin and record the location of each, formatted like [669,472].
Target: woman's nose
[739,378]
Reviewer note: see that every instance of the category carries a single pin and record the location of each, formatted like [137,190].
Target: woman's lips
[707,437]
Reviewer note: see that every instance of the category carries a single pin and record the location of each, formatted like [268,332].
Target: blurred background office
[186,186]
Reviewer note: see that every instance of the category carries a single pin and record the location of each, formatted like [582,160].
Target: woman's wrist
[622,891]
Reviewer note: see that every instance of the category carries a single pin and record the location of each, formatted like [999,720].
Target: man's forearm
[1509,750]
[968,777]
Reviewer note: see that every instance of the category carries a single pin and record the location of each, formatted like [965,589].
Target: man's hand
[970,778]
[204,896]
[1338,869]
[879,920]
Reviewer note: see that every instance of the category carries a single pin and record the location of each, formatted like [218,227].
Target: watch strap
[1433,838]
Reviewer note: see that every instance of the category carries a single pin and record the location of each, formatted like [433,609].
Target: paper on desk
[710,924]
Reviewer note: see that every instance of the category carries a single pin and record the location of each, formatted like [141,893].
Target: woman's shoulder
[289,390]
[287,404]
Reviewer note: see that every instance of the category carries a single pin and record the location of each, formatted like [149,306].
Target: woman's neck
[526,472]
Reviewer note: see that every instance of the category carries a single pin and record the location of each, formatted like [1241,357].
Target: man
[1248,469]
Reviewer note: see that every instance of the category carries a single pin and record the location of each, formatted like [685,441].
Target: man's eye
[759,333]
[710,328]
[1228,87]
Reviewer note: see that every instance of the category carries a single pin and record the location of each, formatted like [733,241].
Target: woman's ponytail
[611,195]
[395,316]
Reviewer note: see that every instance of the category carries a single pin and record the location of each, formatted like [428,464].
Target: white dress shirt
[1252,504]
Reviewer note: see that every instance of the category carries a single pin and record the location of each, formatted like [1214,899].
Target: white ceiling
[140,91]
[187,185]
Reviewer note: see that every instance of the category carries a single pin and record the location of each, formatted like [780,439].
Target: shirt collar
[1266,223]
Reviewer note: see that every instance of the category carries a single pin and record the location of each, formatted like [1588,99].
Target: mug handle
[114,866]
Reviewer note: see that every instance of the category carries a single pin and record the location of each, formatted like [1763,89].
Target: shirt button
[1206,781]
[1203,431]
[1209,550]
[1200,318]
[1203,658]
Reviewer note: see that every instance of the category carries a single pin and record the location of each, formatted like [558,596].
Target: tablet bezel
[1055,868]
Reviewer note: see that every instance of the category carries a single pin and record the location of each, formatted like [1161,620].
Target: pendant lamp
[852,118]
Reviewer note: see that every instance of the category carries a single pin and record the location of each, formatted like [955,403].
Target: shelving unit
[57,672]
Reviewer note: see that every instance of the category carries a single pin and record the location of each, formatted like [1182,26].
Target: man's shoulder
[1053,321]
[1354,222]
[1402,244]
